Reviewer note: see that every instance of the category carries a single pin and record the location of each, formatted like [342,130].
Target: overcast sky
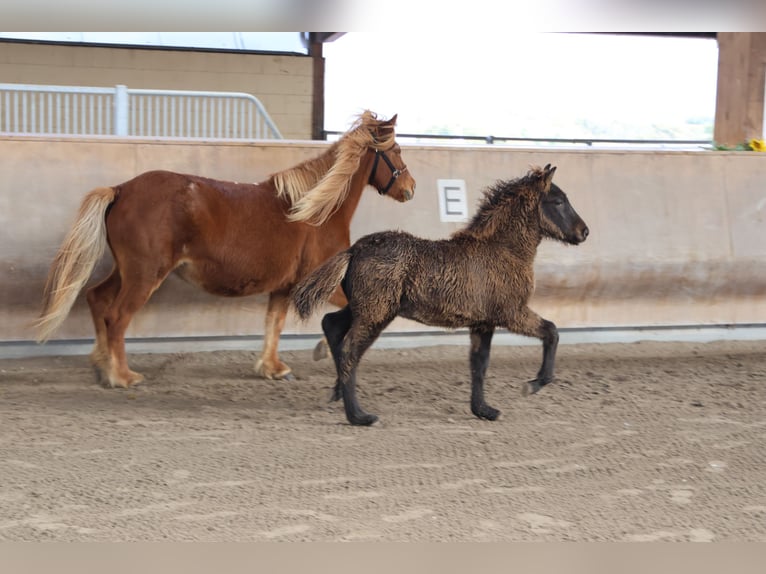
[497,83]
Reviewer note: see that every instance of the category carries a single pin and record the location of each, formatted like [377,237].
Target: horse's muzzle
[408,194]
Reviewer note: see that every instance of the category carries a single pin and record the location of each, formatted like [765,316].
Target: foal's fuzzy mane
[503,194]
[317,187]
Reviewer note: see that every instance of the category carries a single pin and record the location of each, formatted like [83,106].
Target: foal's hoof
[322,350]
[337,393]
[531,387]
[486,412]
[363,420]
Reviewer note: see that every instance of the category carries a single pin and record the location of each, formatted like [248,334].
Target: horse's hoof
[364,420]
[337,394]
[116,384]
[101,379]
[286,376]
[262,371]
[322,350]
[135,378]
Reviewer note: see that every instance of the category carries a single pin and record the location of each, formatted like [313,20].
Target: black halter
[394,172]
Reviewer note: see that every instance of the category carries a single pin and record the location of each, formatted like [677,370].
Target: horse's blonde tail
[318,286]
[82,248]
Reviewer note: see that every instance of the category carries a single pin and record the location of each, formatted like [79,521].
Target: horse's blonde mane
[317,187]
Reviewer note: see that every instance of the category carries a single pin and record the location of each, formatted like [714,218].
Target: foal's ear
[548,172]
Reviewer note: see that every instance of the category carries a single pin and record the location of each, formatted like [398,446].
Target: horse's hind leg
[269,366]
[335,326]
[481,340]
[130,298]
[531,324]
[99,298]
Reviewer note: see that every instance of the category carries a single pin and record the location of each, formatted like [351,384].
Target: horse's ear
[385,130]
[548,172]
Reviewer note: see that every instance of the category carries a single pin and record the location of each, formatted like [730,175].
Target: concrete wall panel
[677,237]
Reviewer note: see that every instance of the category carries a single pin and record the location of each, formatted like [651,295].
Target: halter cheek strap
[395,173]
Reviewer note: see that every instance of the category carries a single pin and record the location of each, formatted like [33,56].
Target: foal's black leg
[354,413]
[358,339]
[549,335]
[481,339]
[335,326]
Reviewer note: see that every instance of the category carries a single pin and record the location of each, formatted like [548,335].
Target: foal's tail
[82,248]
[318,286]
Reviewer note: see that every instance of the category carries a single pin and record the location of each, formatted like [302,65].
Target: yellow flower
[757,145]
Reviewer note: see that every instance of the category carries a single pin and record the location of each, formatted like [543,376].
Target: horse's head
[389,174]
[558,218]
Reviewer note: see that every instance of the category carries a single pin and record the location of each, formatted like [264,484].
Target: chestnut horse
[230,239]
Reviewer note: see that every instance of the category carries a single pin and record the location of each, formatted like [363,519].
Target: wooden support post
[739,112]
[317,102]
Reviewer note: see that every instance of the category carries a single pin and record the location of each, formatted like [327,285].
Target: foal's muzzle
[581,234]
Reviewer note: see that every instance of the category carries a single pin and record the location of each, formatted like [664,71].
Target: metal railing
[27,109]
[602,143]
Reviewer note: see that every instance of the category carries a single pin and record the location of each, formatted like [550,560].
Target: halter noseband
[395,173]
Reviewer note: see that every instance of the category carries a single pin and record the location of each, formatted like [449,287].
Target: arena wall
[677,238]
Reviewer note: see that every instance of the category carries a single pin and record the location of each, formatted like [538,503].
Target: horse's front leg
[481,339]
[269,366]
[531,324]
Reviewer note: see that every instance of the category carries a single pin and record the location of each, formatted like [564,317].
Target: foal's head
[532,203]
[558,219]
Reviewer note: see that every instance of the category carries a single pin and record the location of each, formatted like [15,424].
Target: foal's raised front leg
[269,366]
[481,340]
[531,324]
